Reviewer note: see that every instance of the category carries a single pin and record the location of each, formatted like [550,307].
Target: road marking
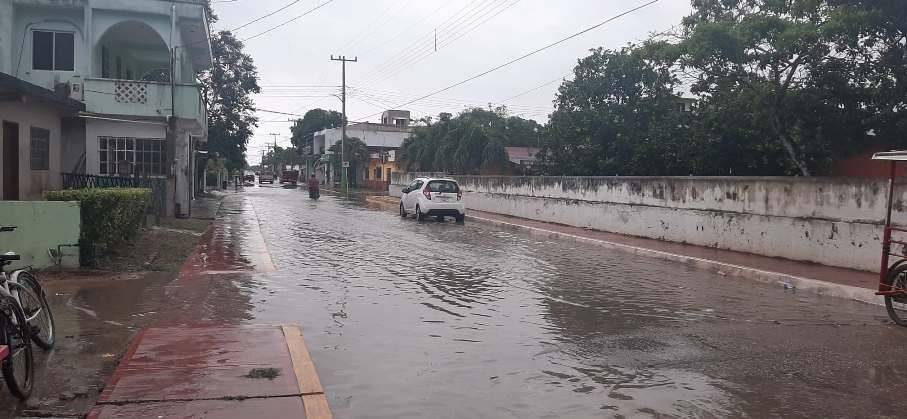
[314,400]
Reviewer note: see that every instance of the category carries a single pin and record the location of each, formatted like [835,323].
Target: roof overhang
[890,155]
[13,88]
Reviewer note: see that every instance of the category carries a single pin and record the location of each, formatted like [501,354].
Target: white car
[433,197]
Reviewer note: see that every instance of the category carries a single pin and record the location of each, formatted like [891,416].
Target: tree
[473,140]
[227,87]
[313,121]
[618,116]
[355,151]
[765,51]
[284,156]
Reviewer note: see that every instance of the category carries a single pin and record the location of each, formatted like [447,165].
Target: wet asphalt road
[439,320]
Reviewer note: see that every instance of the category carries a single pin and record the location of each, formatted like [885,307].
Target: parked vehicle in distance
[289,176]
[433,197]
[266,177]
[249,178]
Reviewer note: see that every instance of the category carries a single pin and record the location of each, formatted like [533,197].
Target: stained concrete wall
[830,221]
[42,226]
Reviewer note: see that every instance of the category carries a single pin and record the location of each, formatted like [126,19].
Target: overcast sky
[395,43]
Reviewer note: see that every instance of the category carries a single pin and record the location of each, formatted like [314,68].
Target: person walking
[314,192]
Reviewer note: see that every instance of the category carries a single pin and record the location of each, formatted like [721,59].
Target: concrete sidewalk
[193,365]
[215,372]
[818,279]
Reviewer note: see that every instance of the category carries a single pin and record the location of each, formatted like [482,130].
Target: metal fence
[158,186]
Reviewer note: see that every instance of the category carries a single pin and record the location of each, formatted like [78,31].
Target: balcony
[144,99]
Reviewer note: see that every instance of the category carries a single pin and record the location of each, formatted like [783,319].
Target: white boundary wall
[831,221]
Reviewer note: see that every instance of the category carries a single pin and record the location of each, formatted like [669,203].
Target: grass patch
[190,224]
[259,373]
[155,250]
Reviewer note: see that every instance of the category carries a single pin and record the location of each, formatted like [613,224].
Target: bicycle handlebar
[7,229]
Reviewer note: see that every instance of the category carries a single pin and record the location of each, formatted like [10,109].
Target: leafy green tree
[355,151]
[228,87]
[472,140]
[618,116]
[284,156]
[767,57]
[313,121]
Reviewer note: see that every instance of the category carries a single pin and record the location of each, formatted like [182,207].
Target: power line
[276,112]
[288,21]
[471,26]
[371,26]
[266,16]
[463,29]
[527,55]
[412,55]
[409,48]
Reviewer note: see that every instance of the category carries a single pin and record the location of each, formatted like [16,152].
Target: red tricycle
[893,276]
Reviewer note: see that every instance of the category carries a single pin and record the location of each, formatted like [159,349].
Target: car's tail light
[459,194]
[427,192]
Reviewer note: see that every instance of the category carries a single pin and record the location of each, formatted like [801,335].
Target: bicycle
[25,317]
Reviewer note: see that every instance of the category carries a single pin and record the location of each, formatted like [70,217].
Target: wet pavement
[408,319]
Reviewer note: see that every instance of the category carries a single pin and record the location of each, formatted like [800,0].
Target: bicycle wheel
[18,367]
[37,311]
[897,304]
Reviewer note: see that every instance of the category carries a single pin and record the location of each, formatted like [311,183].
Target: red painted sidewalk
[216,370]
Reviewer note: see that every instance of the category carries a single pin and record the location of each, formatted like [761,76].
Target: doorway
[10,161]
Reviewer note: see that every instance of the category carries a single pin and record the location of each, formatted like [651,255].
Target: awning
[18,88]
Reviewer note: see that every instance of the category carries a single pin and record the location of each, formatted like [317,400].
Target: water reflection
[431,319]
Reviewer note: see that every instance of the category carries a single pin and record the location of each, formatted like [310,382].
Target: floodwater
[408,319]
[439,320]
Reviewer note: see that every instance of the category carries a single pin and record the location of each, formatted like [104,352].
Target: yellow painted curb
[313,398]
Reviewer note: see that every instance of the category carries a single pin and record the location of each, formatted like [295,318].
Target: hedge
[109,215]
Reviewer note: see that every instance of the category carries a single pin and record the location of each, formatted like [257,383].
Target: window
[377,173]
[53,51]
[105,62]
[443,186]
[40,149]
[416,185]
[143,156]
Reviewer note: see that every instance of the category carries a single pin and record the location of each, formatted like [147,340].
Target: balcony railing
[144,99]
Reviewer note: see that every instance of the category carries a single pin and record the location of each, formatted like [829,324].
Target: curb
[815,286]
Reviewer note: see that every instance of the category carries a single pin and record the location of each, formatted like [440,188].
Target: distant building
[395,118]
[522,156]
[685,104]
[383,141]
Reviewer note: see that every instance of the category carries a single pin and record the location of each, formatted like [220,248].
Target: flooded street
[439,320]
[408,319]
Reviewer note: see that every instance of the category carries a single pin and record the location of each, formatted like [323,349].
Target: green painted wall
[43,225]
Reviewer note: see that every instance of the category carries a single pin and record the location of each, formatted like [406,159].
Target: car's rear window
[443,186]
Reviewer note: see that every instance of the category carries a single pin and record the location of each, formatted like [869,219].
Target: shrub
[109,215]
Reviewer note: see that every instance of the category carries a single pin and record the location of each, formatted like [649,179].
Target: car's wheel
[402,211]
[419,215]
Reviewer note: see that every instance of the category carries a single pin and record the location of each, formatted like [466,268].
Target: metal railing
[158,186]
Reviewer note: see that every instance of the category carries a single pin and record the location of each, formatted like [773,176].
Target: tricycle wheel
[897,304]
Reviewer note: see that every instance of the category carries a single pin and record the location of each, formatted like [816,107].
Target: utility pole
[345,164]
[274,153]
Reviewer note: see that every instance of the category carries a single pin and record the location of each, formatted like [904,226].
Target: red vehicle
[289,176]
[893,276]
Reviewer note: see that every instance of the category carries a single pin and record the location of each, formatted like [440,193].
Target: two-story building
[383,140]
[132,65]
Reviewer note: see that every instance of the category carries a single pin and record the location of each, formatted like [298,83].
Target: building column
[181,172]
[88,31]
[6,36]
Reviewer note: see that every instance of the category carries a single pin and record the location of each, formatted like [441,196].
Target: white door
[410,200]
